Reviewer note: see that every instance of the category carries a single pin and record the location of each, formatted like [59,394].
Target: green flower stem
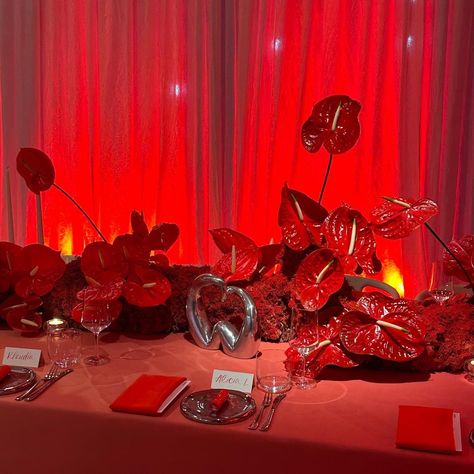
[82,210]
[325,179]
[461,266]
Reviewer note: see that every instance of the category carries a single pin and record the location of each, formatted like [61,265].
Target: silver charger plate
[197,407]
[19,378]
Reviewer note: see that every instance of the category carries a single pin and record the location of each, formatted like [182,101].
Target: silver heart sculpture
[243,344]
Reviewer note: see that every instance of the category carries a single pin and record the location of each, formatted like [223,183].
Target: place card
[20,357]
[239,381]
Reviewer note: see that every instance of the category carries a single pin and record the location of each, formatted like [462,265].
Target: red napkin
[426,429]
[4,371]
[149,394]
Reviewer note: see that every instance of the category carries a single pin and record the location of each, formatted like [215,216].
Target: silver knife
[276,402]
[36,393]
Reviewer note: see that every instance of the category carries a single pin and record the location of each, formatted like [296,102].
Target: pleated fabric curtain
[191,111]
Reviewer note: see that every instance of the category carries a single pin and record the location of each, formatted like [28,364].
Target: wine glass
[305,342]
[95,319]
[440,286]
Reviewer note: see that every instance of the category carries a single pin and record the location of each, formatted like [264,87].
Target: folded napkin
[4,371]
[150,394]
[428,429]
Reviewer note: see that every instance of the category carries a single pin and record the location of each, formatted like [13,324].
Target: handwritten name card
[19,357]
[240,381]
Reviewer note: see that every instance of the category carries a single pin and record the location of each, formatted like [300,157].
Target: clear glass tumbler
[272,375]
[64,347]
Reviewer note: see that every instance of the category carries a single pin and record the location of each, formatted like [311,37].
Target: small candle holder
[469,370]
[55,324]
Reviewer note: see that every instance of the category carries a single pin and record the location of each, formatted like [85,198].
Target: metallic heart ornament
[243,344]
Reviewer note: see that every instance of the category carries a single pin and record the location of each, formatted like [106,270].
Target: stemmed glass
[306,341]
[440,286]
[96,320]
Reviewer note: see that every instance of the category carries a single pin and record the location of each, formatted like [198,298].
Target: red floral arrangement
[303,274]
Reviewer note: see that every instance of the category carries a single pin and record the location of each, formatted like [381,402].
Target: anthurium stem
[461,266]
[325,178]
[82,210]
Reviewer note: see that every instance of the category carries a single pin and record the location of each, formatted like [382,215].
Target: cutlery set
[267,401]
[53,375]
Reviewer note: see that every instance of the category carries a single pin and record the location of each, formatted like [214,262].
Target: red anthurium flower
[163,236]
[270,256]
[327,350]
[387,328]
[160,260]
[101,257]
[132,248]
[24,319]
[8,252]
[300,219]
[464,251]
[399,217]
[139,227]
[237,265]
[241,255]
[146,287]
[319,275]
[226,238]
[333,123]
[107,292]
[14,302]
[348,233]
[36,168]
[37,268]
[91,310]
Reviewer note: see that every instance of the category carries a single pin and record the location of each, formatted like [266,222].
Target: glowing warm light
[65,240]
[393,276]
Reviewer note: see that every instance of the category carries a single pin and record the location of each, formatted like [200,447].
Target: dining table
[347,423]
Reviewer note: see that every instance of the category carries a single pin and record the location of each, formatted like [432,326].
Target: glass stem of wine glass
[97,344]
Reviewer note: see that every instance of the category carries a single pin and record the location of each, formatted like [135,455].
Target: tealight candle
[469,368]
[55,324]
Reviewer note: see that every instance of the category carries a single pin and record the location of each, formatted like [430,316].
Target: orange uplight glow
[65,239]
[393,277]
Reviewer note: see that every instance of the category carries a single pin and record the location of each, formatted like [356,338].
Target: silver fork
[267,401]
[52,373]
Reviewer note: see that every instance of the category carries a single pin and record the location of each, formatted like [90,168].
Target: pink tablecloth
[347,424]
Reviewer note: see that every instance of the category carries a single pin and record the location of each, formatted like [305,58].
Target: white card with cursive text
[240,381]
[20,357]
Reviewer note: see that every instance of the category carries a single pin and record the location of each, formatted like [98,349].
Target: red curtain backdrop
[191,111]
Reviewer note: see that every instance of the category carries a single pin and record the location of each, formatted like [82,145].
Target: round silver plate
[19,378]
[197,407]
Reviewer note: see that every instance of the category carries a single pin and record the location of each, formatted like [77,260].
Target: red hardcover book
[150,394]
[428,429]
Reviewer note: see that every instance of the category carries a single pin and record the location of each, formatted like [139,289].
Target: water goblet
[440,286]
[96,318]
[305,342]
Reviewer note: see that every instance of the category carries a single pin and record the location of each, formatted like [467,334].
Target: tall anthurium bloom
[300,219]
[349,234]
[14,301]
[24,319]
[36,169]
[383,327]
[398,217]
[319,275]
[37,268]
[463,249]
[333,123]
